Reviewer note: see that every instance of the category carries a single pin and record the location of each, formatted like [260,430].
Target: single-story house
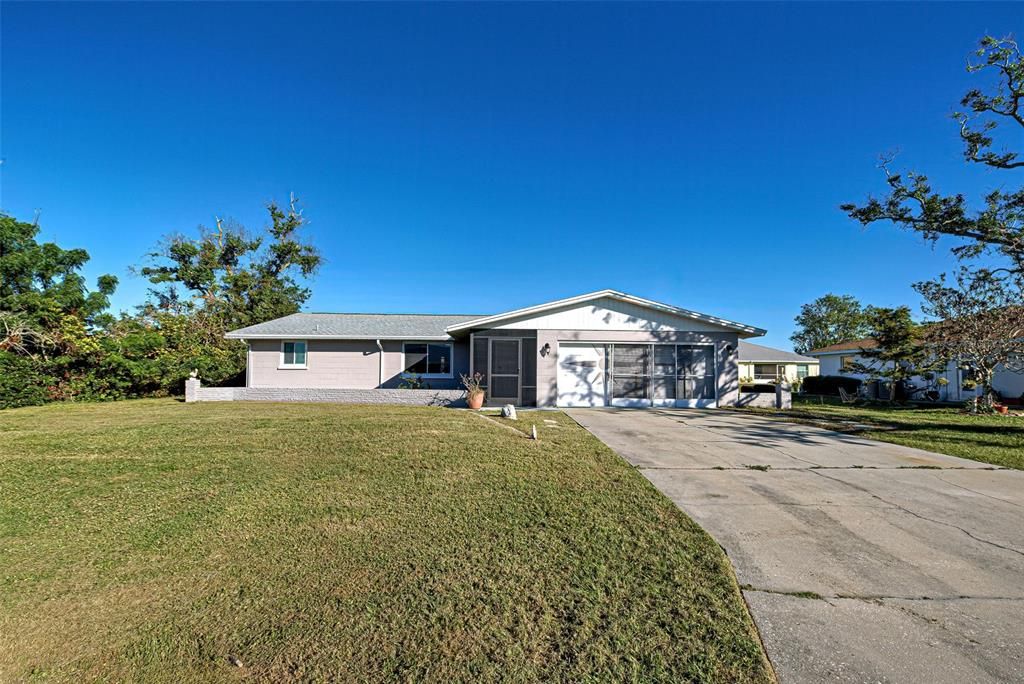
[837,357]
[604,348]
[766,364]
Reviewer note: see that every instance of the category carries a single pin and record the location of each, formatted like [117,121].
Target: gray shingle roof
[757,352]
[355,325]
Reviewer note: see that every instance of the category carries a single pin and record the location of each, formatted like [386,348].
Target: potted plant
[474,390]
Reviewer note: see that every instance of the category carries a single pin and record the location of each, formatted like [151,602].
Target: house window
[293,354]
[802,370]
[846,362]
[768,371]
[431,360]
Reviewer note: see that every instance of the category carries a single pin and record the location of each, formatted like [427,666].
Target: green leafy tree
[829,320]
[899,353]
[43,292]
[49,318]
[997,227]
[233,277]
[221,280]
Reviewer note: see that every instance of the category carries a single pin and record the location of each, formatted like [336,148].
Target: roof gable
[607,310]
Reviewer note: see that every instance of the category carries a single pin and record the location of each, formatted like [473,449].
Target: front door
[503,383]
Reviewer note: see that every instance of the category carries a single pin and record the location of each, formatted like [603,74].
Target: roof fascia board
[305,336]
[833,353]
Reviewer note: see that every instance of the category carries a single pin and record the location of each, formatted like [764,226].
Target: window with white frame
[802,370]
[293,354]
[769,371]
[427,359]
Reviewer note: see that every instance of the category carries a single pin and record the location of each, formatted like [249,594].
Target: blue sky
[475,158]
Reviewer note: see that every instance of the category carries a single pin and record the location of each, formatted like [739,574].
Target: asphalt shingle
[364,325]
[757,352]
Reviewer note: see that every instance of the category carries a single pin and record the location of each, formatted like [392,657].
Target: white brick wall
[782,398]
[195,392]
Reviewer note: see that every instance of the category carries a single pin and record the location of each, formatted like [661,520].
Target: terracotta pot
[475,400]
[1003,409]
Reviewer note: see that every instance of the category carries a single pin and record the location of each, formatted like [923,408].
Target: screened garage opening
[637,375]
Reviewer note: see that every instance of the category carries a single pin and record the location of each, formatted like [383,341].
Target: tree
[998,227]
[231,277]
[979,325]
[49,318]
[899,353]
[224,279]
[45,301]
[828,320]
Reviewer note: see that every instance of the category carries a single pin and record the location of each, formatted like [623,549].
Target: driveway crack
[877,597]
[936,622]
[974,491]
[922,517]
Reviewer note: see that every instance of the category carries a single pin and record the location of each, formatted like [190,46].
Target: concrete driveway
[860,561]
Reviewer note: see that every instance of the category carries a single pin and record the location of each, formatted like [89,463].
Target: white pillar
[192,386]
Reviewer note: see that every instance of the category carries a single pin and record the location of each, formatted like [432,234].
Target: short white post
[192,386]
[783,395]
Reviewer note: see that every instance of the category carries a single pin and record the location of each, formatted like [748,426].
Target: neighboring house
[834,358]
[765,364]
[605,348]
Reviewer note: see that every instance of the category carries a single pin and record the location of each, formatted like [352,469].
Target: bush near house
[830,384]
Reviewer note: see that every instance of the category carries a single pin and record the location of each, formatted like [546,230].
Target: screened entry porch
[637,375]
[508,362]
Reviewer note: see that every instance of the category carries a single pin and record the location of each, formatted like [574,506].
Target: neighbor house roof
[756,353]
[370,326]
[610,294]
[854,345]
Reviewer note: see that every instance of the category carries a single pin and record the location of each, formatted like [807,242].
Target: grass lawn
[987,438]
[160,541]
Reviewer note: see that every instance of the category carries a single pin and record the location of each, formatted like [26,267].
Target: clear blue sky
[476,158]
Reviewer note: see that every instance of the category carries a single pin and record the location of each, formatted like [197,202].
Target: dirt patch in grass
[159,541]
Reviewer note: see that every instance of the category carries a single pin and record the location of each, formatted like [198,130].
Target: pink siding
[343,364]
[349,364]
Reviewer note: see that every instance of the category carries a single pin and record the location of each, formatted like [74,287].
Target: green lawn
[987,438]
[159,541]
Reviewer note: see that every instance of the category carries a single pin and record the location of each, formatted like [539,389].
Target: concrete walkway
[860,561]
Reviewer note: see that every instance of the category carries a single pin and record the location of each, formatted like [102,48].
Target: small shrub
[23,382]
[830,384]
[413,381]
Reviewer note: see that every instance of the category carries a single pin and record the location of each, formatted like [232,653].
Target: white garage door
[581,379]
